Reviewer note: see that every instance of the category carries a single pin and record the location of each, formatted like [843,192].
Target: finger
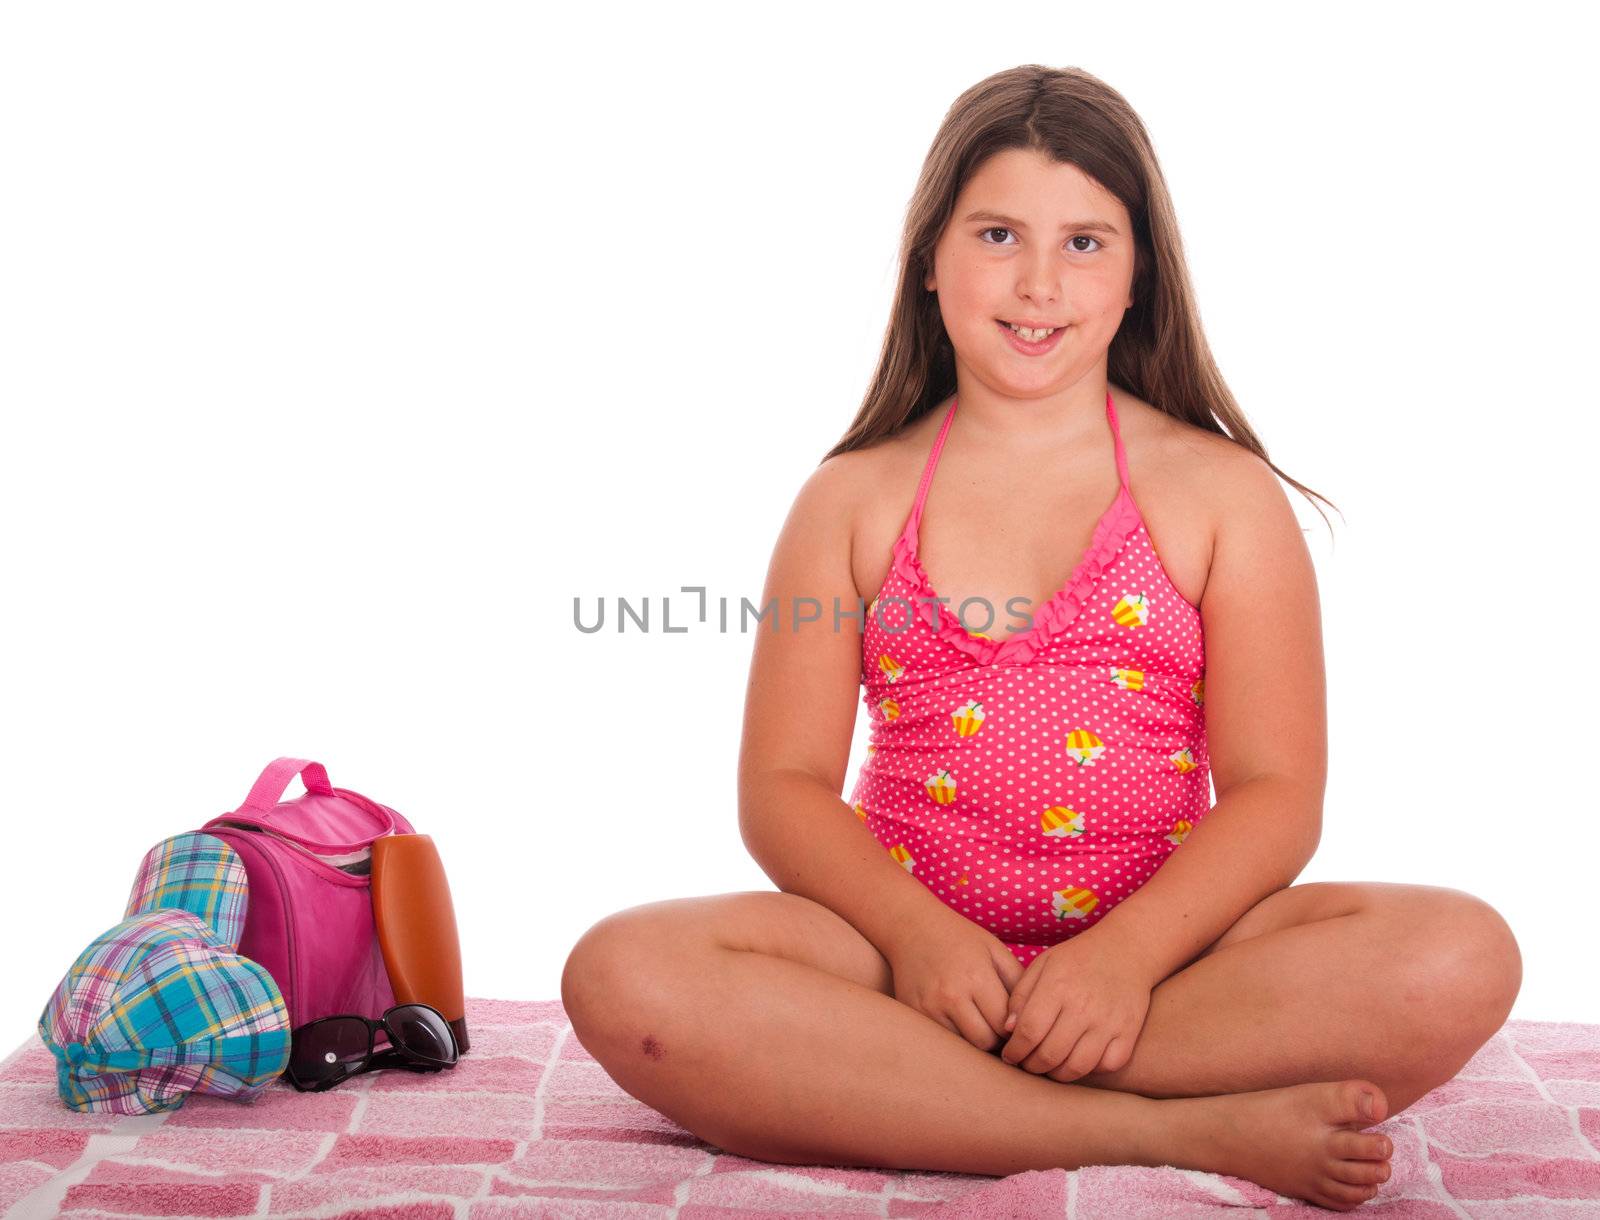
[994,1003]
[974,1026]
[1019,1000]
[1091,1048]
[1008,969]
[1011,970]
[1116,1055]
[943,1019]
[1052,1049]
[1084,1054]
[1025,1037]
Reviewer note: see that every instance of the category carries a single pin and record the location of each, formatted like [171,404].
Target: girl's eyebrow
[1099,226]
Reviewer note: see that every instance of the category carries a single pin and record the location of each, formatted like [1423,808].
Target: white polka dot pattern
[1034,781]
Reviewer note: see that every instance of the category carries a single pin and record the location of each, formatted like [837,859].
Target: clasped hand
[1078,1008]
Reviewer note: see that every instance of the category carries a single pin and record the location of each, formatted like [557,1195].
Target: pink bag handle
[268,790]
[274,782]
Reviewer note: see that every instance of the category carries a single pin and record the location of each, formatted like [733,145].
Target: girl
[1028,939]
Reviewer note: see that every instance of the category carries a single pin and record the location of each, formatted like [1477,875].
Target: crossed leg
[1399,984]
[766,1024]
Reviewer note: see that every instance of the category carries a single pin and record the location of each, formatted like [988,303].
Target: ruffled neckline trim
[1111,534]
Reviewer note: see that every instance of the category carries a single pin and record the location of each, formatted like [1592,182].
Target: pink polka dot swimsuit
[1035,781]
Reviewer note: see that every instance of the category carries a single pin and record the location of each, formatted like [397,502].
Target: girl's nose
[1040,280]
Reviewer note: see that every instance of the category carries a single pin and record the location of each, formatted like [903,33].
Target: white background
[341,348]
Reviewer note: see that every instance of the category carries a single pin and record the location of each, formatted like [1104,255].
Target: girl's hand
[1078,1008]
[955,972]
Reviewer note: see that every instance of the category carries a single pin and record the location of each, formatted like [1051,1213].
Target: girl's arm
[800,711]
[1266,727]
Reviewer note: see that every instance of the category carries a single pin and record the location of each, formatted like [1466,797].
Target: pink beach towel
[530,1125]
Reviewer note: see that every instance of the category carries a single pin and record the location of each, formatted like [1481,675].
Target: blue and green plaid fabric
[161,1005]
[194,872]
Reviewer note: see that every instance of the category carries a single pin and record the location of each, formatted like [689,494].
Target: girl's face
[1036,242]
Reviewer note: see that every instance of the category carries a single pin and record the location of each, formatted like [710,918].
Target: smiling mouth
[1032,334]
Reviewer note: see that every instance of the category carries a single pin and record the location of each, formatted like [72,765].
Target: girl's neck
[1059,421]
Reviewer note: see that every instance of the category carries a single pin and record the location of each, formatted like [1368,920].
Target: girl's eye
[1080,237]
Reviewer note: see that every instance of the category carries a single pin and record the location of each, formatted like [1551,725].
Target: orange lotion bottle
[416,925]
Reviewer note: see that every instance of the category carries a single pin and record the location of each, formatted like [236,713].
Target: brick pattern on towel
[530,1125]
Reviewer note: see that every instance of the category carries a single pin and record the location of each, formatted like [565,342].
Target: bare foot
[1305,1141]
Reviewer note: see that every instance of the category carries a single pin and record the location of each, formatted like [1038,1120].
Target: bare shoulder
[830,492]
[1202,473]
[831,499]
[887,476]
[1195,461]
[873,487]
[1249,520]
[1230,480]
[825,521]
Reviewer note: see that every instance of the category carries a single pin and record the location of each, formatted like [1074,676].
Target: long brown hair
[1159,353]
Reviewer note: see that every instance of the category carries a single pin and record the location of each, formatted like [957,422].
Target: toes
[1344,1192]
[1360,1173]
[1351,1096]
[1361,1146]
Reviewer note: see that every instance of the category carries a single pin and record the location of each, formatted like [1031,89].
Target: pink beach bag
[309,916]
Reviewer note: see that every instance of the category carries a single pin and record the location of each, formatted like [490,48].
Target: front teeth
[1032,336]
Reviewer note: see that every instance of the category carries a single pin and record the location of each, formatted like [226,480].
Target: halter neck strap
[915,517]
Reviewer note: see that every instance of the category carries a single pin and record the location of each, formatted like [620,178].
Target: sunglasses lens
[320,1049]
[423,1032]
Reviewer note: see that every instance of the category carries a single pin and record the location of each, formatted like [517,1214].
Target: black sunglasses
[324,1052]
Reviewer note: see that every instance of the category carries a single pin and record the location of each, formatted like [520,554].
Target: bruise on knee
[651,1047]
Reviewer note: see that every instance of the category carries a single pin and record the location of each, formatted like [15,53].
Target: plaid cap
[161,1005]
[198,873]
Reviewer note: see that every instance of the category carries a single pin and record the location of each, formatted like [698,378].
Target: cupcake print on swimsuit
[1061,822]
[1084,748]
[1034,780]
[1133,610]
[1073,903]
[968,718]
[942,788]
